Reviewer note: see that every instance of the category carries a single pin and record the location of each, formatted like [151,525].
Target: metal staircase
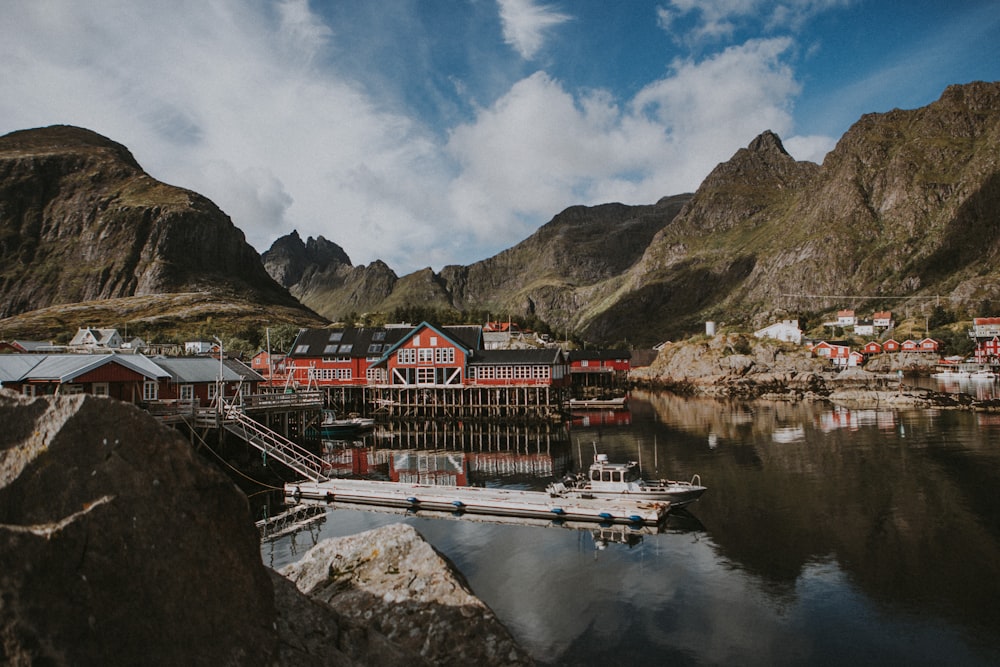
[273,444]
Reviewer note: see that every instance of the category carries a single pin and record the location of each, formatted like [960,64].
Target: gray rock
[392,578]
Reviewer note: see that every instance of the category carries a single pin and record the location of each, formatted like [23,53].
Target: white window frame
[150,390]
[99,389]
[187,392]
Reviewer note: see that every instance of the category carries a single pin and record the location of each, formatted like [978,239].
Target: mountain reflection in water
[826,535]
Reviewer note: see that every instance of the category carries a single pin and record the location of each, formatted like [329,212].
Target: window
[375,348]
[330,350]
[99,389]
[28,390]
[377,376]
[150,391]
[187,392]
[425,376]
[434,341]
[406,356]
[378,335]
[336,336]
[212,391]
[346,349]
[425,355]
[301,349]
[71,389]
[444,355]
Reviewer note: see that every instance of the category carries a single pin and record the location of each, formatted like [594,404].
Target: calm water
[827,536]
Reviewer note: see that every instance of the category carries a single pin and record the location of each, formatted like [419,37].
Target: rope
[237,470]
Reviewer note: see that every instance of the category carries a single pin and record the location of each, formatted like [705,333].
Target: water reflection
[827,535]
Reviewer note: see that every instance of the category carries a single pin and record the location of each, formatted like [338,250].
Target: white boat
[618,403]
[983,374]
[950,374]
[605,479]
[331,425]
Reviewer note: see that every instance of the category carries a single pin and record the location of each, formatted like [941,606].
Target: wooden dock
[479,500]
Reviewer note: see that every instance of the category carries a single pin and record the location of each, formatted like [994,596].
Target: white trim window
[187,392]
[444,355]
[150,390]
[28,390]
[99,389]
[213,389]
[425,355]
[406,356]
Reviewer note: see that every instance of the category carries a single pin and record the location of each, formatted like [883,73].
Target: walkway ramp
[274,445]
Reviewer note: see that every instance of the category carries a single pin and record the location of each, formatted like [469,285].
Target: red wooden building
[130,378]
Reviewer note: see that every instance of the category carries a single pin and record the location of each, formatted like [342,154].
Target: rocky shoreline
[742,367]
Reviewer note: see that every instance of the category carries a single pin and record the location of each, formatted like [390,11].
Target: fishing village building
[425,371]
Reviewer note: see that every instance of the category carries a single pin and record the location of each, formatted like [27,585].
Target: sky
[434,132]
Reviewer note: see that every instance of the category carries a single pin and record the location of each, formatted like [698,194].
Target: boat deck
[479,500]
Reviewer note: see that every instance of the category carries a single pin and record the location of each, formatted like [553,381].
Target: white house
[94,339]
[846,318]
[200,347]
[882,319]
[864,328]
[786,330]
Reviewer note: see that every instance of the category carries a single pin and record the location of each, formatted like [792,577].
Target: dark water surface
[827,536]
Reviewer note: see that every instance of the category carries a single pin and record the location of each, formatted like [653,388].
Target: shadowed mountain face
[81,221]
[906,205]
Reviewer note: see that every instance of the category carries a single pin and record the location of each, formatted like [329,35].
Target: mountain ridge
[902,208]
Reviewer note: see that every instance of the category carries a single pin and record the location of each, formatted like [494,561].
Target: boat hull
[677,496]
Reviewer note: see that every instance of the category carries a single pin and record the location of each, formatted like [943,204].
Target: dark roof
[580,355]
[351,341]
[547,356]
[469,335]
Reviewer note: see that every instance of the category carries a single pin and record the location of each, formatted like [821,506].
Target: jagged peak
[323,251]
[767,142]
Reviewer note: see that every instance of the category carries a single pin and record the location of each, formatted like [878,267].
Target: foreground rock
[390,576]
[120,546]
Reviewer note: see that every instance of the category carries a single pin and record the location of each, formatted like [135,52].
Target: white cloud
[811,148]
[243,103]
[525,23]
[713,20]
[540,149]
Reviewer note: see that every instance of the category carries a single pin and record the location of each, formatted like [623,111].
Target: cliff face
[905,205]
[81,221]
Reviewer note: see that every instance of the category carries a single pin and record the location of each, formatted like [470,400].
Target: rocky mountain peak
[82,221]
[62,140]
[289,258]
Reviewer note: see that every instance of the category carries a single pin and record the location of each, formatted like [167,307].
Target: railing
[274,444]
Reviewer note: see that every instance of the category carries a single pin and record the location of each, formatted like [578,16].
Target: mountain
[905,208]
[80,221]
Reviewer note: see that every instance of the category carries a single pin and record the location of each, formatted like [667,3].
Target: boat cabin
[613,476]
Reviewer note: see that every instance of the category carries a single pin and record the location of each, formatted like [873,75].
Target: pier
[480,500]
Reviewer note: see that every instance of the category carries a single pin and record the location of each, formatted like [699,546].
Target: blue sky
[434,132]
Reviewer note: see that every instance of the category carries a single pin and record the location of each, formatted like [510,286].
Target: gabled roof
[349,341]
[13,367]
[536,356]
[185,370]
[68,367]
[101,336]
[454,335]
